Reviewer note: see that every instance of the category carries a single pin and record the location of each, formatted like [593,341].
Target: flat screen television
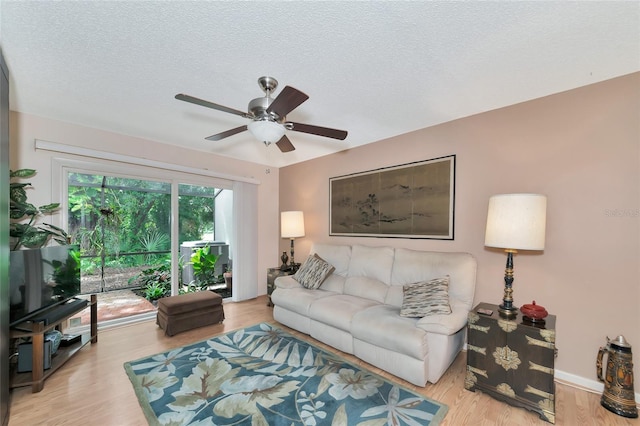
[40,279]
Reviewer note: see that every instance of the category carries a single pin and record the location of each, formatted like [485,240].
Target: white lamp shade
[291,224]
[516,221]
[266,131]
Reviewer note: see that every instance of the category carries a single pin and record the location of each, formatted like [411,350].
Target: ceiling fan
[268,116]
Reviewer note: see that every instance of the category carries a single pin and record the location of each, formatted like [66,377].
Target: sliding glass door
[126,228]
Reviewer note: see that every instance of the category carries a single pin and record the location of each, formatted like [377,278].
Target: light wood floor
[93,388]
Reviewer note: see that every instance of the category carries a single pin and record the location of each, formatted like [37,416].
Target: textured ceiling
[377,69]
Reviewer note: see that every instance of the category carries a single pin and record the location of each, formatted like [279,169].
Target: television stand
[37,327]
[58,312]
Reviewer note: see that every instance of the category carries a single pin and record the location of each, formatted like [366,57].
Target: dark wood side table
[512,360]
[272,274]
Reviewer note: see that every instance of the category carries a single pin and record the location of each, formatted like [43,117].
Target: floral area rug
[264,376]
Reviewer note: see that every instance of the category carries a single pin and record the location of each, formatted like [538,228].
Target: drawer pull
[538,392]
[477,349]
[538,367]
[536,342]
[477,371]
[479,328]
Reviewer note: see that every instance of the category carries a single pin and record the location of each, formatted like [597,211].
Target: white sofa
[357,307]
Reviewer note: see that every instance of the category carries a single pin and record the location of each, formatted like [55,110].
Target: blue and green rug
[263,375]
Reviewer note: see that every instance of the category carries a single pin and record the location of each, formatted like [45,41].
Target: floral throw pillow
[426,298]
[313,272]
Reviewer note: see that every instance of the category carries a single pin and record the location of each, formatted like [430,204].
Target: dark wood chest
[512,360]
[272,274]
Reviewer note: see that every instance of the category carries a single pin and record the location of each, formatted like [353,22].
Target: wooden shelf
[36,330]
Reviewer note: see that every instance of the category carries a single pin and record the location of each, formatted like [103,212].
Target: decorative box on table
[512,359]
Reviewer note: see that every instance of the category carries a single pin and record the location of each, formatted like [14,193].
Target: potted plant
[29,234]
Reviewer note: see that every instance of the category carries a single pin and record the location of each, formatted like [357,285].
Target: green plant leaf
[48,208]
[35,239]
[17,192]
[22,173]
[28,234]
[57,229]
[204,262]
[20,210]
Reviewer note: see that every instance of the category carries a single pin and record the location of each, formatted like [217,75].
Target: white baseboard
[583,383]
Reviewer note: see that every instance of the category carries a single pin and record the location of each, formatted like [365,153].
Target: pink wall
[581,149]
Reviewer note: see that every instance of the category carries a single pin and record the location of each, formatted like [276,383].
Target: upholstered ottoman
[188,311]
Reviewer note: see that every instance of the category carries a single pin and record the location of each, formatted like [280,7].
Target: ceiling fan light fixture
[266,131]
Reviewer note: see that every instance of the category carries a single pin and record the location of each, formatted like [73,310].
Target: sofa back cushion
[336,255]
[369,272]
[366,288]
[413,266]
[371,262]
[334,283]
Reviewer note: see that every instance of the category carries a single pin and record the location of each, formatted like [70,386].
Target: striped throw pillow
[313,272]
[426,298]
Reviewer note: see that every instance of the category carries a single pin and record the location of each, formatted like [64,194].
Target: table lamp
[292,226]
[515,222]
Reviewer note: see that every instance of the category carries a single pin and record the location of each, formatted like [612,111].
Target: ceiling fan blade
[285,144]
[201,102]
[287,101]
[317,130]
[227,133]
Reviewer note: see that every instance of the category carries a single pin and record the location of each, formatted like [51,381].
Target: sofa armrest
[445,324]
[286,281]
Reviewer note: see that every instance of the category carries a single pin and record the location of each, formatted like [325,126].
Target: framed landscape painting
[414,200]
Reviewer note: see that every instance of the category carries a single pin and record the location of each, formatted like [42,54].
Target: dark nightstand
[272,274]
[512,360]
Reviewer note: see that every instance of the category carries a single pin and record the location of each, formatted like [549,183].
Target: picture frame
[413,200]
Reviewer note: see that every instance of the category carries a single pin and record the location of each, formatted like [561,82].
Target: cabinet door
[484,340]
[533,381]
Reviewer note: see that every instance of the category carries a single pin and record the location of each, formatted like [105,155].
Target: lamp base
[506,309]
[507,312]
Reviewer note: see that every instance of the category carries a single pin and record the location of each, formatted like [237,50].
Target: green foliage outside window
[123,222]
[204,263]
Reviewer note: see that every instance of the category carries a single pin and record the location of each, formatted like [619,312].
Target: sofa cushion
[445,325]
[426,298]
[334,282]
[337,255]
[313,272]
[298,299]
[338,310]
[382,326]
[371,262]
